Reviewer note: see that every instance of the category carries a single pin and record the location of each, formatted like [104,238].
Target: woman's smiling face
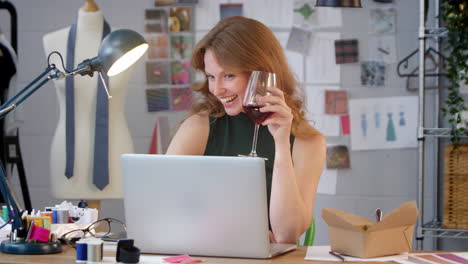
[227,86]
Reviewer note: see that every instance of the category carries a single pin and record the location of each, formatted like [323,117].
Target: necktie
[101,144]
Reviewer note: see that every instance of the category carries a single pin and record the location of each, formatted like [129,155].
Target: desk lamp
[339,3]
[118,51]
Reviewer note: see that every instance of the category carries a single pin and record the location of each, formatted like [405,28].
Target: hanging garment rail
[14,22]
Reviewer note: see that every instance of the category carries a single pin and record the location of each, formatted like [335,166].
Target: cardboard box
[360,237]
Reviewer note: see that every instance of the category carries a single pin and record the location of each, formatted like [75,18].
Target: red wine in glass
[257,86]
[253,112]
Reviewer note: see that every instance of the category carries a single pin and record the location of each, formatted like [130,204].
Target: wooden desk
[68,256]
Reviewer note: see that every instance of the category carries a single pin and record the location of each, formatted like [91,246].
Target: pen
[378,215]
[337,255]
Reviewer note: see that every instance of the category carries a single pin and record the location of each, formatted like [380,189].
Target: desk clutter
[43,228]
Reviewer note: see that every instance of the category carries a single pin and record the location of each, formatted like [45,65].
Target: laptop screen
[199,205]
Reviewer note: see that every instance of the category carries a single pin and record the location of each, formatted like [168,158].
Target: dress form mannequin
[80,185]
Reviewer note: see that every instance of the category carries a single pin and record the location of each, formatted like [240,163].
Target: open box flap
[338,218]
[405,215]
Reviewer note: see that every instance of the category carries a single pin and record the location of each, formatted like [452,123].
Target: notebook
[198,205]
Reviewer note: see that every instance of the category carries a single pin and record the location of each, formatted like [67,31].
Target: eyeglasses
[101,228]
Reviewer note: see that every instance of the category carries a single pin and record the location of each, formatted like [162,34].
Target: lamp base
[23,248]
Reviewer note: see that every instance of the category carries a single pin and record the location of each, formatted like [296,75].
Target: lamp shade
[339,3]
[120,49]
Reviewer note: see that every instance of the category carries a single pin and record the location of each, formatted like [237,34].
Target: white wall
[377,179]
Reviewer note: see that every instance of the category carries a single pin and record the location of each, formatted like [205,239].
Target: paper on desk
[144,259]
[436,258]
[321,253]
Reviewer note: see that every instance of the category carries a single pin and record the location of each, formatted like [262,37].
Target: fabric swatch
[346,51]
[372,73]
[336,102]
[157,99]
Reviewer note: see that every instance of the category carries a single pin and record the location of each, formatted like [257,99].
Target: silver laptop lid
[199,205]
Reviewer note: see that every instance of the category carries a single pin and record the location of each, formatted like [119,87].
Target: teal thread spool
[4,213]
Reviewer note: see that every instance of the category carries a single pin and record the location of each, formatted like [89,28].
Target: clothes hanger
[405,61]
[436,66]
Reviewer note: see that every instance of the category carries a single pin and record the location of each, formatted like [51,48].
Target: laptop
[198,205]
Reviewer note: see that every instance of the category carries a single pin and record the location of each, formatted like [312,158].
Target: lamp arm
[16,100]
[12,206]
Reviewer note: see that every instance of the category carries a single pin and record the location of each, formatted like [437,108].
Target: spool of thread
[4,213]
[49,215]
[94,250]
[54,217]
[81,251]
[62,216]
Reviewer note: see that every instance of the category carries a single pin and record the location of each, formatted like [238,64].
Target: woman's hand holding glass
[257,87]
[280,120]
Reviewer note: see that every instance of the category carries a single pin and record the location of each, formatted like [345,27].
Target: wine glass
[257,86]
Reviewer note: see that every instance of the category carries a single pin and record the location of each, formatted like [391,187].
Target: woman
[217,125]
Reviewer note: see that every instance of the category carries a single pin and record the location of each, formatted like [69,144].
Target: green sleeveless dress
[233,135]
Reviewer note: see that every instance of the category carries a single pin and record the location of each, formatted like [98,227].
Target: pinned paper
[383,123]
[306,15]
[299,40]
[164,133]
[327,183]
[328,125]
[336,102]
[382,20]
[182,258]
[321,66]
[345,125]
[153,149]
[228,10]
[382,48]
[158,15]
[164,2]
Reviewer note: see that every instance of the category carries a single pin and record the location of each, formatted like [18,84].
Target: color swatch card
[180,19]
[158,99]
[157,72]
[181,98]
[158,46]
[181,46]
[180,72]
